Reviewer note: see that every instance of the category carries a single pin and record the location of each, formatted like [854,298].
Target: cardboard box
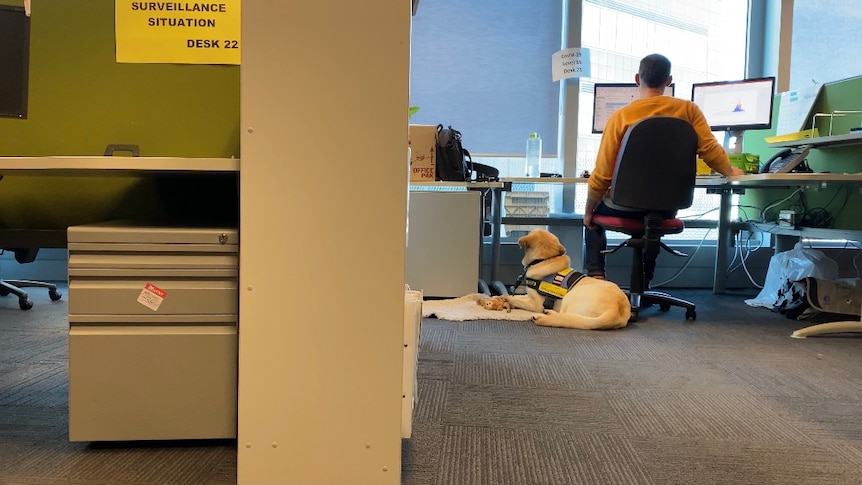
[747,162]
[422,140]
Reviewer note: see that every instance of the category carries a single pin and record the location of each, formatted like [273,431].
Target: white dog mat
[466,308]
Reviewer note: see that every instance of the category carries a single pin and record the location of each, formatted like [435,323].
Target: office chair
[22,256]
[655,172]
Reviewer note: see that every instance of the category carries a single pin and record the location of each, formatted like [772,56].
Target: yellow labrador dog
[591,304]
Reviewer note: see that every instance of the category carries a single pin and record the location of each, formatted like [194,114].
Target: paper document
[573,62]
[794,109]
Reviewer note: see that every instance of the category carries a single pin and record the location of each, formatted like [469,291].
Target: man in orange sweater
[652,77]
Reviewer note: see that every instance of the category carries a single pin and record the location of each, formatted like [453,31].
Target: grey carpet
[729,398]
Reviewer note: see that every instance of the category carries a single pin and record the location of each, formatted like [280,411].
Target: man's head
[654,71]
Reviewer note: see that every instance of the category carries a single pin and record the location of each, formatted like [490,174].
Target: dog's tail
[613,317]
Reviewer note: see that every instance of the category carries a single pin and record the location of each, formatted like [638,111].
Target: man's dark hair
[654,70]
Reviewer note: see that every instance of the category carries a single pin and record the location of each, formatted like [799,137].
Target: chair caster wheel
[634,316]
[4,292]
[54,295]
[664,307]
[498,288]
[690,314]
[25,303]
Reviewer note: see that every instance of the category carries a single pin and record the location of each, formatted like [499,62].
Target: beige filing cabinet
[152,332]
[443,243]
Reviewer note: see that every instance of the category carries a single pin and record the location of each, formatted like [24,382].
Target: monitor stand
[733,141]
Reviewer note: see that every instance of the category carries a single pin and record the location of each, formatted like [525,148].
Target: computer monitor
[14,61]
[736,106]
[609,97]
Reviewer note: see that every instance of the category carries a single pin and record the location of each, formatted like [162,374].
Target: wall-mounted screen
[609,97]
[736,105]
[14,61]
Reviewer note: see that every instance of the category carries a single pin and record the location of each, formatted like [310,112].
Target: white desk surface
[702,180]
[446,184]
[793,178]
[545,180]
[71,164]
[758,179]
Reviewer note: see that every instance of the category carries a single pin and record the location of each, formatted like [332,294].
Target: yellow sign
[178,32]
[552,289]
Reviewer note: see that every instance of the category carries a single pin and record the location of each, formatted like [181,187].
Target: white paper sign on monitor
[795,107]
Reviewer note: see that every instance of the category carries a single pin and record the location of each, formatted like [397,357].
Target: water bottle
[534,155]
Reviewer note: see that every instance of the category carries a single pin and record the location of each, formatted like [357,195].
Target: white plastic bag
[779,293]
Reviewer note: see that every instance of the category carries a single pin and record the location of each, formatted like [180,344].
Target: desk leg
[723,243]
[496,218]
[572,238]
[482,232]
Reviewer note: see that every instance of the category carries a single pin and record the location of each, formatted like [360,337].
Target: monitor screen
[736,105]
[14,61]
[609,97]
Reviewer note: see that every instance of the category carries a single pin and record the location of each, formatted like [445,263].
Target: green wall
[81,100]
[840,95]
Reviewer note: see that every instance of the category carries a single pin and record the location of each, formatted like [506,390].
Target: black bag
[827,301]
[453,161]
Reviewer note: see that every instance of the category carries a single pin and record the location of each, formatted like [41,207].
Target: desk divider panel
[838,95]
[81,100]
[323,219]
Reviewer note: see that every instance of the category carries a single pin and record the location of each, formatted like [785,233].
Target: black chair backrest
[656,166]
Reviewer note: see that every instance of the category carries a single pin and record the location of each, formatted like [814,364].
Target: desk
[69,165]
[737,184]
[497,211]
[117,391]
[724,186]
[571,219]
[168,174]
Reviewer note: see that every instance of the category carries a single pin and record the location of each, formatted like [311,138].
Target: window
[823,42]
[485,69]
[704,40]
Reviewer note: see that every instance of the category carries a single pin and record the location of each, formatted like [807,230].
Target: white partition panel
[323,212]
